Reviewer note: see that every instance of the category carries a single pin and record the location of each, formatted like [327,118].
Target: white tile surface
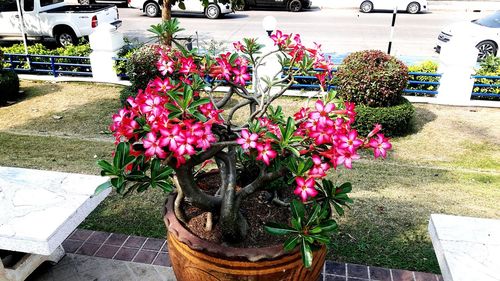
[466,248]
[39,209]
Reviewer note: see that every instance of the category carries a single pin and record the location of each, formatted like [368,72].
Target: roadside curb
[458,6]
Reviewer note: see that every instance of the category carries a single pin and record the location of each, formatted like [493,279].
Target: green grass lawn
[450,164]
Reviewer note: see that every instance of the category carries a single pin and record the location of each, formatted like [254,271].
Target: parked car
[483,32]
[53,19]
[152,8]
[290,5]
[410,6]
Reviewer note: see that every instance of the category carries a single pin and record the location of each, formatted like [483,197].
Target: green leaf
[338,208]
[294,151]
[291,243]
[314,216]
[298,210]
[296,224]
[345,187]
[278,229]
[272,136]
[106,167]
[102,187]
[165,186]
[199,102]
[328,226]
[306,252]
[122,151]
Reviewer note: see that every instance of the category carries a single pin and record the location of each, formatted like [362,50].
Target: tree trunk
[234,225]
[166,15]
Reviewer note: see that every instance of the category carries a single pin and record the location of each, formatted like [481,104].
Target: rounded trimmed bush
[125,93]
[396,120]
[371,78]
[9,83]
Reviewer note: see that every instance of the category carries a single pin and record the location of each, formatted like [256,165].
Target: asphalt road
[338,31]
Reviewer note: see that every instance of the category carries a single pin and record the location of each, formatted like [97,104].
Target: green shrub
[82,50]
[141,67]
[126,53]
[490,66]
[9,83]
[395,120]
[372,78]
[425,67]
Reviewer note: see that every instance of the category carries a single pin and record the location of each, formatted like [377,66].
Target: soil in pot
[258,209]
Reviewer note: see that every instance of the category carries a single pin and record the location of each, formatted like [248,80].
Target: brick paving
[102,256]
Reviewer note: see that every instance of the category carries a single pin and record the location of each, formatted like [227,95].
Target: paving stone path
[102,256]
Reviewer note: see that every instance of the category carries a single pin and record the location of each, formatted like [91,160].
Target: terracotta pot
[195,259]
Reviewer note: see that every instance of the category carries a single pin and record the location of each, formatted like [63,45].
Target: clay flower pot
[195,259]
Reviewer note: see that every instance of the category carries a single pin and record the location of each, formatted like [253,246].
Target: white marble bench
[467,249]
[38,211]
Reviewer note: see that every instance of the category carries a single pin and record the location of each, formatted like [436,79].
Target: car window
[49,2]
[490,21]
[28,5]
[8,5]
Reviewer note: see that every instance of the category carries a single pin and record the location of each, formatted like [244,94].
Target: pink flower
[184,145]
[346,157]
[322,110]
[206,138]
[375,130]
[350,141]
[279,38]
[187,65]
[305,188]
[238,46]
[266,153]
[162,85]
[165,66]
[241,75]
[152,146]
[380,145]
[170,137]
[247,140]
[319,169]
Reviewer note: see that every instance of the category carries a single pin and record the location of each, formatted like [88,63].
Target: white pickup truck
[54,19]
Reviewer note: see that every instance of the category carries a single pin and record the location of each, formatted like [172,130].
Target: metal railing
[486,86]
[48,65]
[415,86]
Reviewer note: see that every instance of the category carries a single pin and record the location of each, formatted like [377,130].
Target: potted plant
[178,126]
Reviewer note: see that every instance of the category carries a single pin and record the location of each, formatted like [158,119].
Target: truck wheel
[212,11]
[152,9]
[65,37]
[295,6]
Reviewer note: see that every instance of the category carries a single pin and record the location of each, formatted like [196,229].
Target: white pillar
[105,43]
[456,63]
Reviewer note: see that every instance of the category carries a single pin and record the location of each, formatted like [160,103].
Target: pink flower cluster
[326,137]
[162,136]
[237,71]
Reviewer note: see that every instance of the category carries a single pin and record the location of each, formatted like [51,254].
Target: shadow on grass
[421,118]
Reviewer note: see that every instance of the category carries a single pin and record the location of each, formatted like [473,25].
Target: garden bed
[450,164]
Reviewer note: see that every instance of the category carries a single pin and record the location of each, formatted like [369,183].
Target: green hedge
[82,50]
[425,67]
[395,120]
[9,83]
[489,67]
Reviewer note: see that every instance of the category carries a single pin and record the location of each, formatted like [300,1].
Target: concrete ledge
[466,248]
